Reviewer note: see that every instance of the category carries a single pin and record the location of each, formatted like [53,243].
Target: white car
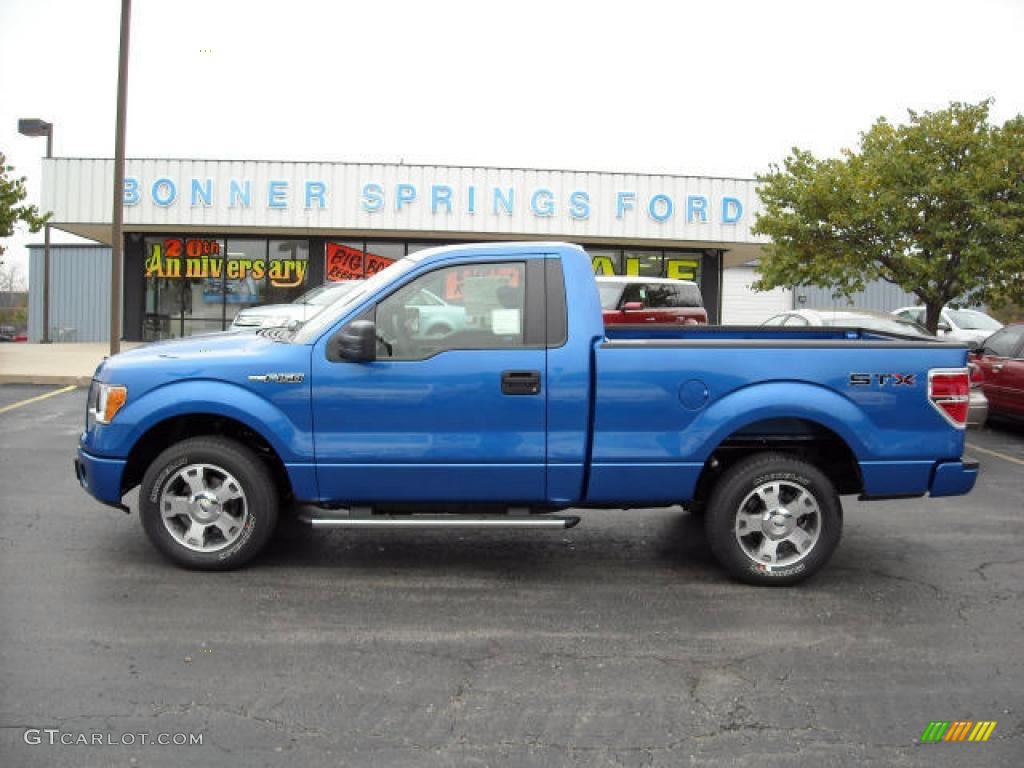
[303,308]
[873,320]
[960,324]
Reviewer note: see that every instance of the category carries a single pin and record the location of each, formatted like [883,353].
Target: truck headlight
[105,401]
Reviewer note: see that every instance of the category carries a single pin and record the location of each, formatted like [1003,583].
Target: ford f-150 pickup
[529,406]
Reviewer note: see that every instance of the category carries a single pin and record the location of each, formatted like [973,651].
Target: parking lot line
[997,454]
[36,399]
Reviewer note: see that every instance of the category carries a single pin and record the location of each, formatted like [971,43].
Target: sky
[717,88]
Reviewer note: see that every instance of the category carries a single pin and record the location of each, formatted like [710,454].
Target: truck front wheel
[773,519]
[208,503]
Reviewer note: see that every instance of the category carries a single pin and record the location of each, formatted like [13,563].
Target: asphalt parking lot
[619,642]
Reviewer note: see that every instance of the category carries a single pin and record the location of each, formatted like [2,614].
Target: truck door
[453,408]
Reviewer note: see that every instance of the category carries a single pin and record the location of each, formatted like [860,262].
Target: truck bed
[742,335]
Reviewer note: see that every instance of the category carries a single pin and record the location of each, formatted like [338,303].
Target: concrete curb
[43,379]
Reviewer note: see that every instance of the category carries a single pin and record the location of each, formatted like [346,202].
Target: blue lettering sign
[440,194]
[277,194]
[202,193]
[240,194]
[542,202]
[316,190]
[507,202]
[624,202]
[404,193]
[164,192]
[579,205]
[471,201]
[132,196]
[664,202]
[732,210]
[373,198]
[696,205]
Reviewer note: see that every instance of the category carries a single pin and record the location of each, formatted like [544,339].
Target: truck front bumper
[100,477]
[953,478]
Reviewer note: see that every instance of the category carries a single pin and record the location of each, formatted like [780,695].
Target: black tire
[222,467]
[802,498]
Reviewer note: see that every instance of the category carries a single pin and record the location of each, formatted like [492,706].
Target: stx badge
[882,379]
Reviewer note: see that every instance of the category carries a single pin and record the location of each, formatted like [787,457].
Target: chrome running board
[438,521]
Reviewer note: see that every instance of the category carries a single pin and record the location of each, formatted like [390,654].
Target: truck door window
[476,306]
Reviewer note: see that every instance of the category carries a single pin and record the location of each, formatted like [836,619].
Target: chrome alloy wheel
[203,507]
[778,523]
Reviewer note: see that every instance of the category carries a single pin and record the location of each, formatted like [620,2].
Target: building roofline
[420,165]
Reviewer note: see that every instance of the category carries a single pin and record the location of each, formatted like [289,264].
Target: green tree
[935,206]
[12,209]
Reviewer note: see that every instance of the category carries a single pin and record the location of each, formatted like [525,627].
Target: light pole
[33,126]
[117,234]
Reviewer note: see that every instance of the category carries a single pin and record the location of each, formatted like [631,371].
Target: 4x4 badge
[279,378]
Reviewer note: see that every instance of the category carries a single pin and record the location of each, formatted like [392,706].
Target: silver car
[303,308]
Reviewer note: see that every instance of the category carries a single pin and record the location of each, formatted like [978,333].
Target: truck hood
[224,356]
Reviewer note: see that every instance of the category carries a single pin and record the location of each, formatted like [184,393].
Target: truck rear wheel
[773,520]
[208,503]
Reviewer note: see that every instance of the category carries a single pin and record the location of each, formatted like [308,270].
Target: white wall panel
[743,306]
[79,192]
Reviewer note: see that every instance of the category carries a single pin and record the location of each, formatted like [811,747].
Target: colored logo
[958,730]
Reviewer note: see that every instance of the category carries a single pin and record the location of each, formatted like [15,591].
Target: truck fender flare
[781,400]
[199,396]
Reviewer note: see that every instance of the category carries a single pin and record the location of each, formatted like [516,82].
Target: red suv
[650,300]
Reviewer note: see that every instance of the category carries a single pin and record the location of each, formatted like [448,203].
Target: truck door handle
[520,382]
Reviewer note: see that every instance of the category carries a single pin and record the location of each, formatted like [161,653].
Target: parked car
[961,324]
[627,300]
[873,320]
[435,316]
[303,308]
[1001,359]
[848,318]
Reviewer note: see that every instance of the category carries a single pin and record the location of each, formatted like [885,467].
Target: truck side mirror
[356,343]
[944,327]
[633,306]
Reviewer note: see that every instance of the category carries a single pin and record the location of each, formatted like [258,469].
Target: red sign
[457,278]
[345,263]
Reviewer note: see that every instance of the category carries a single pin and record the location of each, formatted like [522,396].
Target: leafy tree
[12,210]
[935,206]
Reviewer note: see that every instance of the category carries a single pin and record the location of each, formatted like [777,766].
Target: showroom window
[197,285]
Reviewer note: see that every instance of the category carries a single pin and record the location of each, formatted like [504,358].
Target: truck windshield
[329,315]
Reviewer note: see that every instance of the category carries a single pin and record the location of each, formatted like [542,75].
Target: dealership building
[206,238]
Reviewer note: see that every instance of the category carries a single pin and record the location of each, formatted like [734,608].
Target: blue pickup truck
[363,417]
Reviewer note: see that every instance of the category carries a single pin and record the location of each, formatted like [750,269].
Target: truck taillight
[949,390]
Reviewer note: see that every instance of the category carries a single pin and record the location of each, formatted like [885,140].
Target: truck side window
[473,306]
